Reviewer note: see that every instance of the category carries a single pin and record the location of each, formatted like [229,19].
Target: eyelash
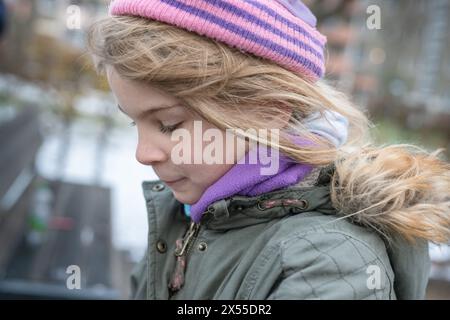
[163,129]
[169,129]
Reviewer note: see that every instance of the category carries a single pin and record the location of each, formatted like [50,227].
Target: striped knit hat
[283,31]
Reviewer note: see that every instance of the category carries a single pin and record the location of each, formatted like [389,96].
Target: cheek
[205,175]
[201,176]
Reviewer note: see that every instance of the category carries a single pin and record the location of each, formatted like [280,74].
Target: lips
[175,184]
[171,181]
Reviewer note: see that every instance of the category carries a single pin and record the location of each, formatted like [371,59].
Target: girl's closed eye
[162,127]
[169,129]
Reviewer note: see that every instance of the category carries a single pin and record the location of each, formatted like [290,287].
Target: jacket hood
[402,192]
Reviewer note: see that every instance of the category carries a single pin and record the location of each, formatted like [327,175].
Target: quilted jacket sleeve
[333,265]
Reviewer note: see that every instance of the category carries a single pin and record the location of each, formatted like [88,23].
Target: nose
[148,152]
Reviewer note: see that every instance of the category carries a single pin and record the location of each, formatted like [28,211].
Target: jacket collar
[241,211]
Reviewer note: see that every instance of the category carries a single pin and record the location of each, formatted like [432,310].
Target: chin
[185,198]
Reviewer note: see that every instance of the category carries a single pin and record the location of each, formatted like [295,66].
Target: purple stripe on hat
[298,9]
[250,35]
[289,23]
[253,19]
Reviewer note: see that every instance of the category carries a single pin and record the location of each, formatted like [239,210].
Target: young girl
[334,217]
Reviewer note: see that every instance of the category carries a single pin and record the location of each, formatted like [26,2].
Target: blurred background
[70,187]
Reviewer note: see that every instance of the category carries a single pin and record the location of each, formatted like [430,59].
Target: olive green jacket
[285,244]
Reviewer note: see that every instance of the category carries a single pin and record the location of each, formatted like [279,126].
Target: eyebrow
[150,111]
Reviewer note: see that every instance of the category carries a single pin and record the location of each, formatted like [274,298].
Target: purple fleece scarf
[245,178]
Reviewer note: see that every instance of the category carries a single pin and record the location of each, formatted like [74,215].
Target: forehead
[134,96]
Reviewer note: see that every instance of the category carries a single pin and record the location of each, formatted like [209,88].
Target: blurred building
[400,70]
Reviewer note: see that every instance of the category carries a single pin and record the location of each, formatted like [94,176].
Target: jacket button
[202,246]
[161,246]
[158,187]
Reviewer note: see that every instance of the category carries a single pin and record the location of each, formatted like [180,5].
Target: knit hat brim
[266,29]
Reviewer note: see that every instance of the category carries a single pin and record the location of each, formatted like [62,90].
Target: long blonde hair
[233,89]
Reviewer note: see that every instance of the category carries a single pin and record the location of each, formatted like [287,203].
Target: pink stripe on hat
[274,30]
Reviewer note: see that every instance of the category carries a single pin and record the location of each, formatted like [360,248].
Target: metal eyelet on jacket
[303,204]
[260,206]
[202,246]
[161,246]
[158,187]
